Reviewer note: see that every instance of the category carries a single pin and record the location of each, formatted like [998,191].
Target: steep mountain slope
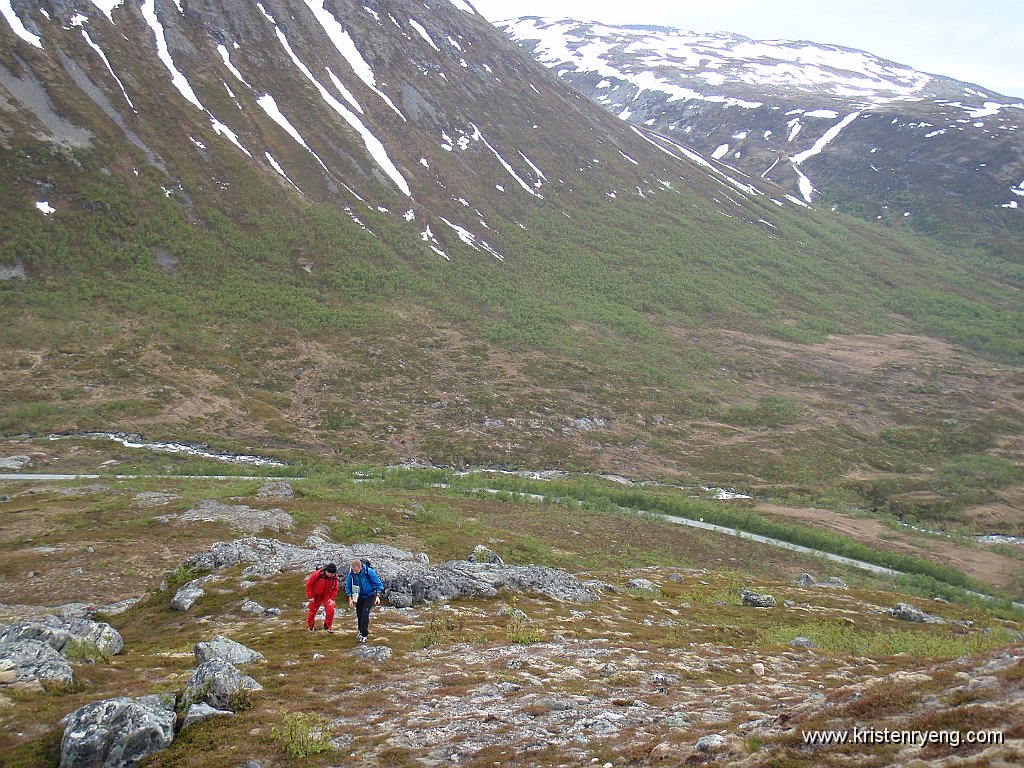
[381,231]
[833,124]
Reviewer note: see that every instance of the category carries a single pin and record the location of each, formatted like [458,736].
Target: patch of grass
[935,643]
[301,734]
[522,631]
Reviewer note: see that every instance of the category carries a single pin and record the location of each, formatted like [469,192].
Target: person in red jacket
[322,589]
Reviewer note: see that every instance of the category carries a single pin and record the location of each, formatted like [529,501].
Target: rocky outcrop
[58,632]
[276,489]
[239,516]
[408,577]
[221,647]
[908,612]
[217,682]
[117,733]
[756,600]
[30,663]
[460,578]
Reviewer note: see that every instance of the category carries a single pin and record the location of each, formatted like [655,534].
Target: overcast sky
[979,41]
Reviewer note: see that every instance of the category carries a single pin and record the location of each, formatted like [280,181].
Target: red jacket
[319,584]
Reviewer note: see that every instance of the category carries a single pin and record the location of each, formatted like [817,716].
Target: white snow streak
[45,207]
[347,48]
[222,130]
[825,139]
[344,91]
[720,151]
[536,170]
[177,78]
[372,143]
[18,25]
[463,6]
[79,21]
[423,33]
[277,167]
[477,136]
[231,67]
[472,240]
[107,7]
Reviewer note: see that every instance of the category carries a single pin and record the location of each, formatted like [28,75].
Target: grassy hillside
[674,334]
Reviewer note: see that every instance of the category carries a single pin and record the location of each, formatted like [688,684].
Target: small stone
[90,549]
[789,603]
[318,656]
[273,612]
[677,578]
[833,582]
[252,608]
[755,599]
[709,744]
[757,668]
[806,580]
[802,642]
[482,554]
[643,585]
[32,574]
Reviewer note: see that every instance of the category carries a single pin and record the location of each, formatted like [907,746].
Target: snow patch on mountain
[17,25]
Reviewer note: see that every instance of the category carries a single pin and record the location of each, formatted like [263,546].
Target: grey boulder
[217,682]
[188,594]
[117,733]
[644,585]
[755,599]
[711,743]
[806,580]
[221,647]
[29,663]
[908,612]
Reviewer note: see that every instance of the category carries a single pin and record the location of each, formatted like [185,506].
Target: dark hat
[331,568]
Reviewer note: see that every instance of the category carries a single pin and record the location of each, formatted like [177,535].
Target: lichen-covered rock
[806,580]
[802,642]
[376,653]
[221,647]
[217,682]
[833,582]
[908,612]
[238,516]
[408,577]
[57,632]
[252,608]
[756,599]
[29,663]
[711,743]
[188,594]
[644,585]
[117,733]
[275,489]
[197,713]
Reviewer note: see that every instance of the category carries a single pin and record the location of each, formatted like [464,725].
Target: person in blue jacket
[364,588]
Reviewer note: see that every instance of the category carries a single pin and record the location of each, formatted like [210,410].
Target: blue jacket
[367,580]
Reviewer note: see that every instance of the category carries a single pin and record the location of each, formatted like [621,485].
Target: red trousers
[328,604]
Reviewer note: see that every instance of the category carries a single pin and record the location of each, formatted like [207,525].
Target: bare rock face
[117,733]
[756,600]
[29,663]
[216,682]
[224,648]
